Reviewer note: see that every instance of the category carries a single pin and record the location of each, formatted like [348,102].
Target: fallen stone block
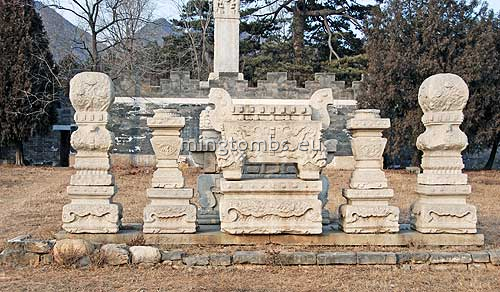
[14,257]
[337,258]
[220,260]
[376,258]
[250,257]
[195,260]
[25,243]
[115,254]
[450,258]
[70,251]
[145,254]
[296,258]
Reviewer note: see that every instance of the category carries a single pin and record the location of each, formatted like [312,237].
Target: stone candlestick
[169,210]
[367,209]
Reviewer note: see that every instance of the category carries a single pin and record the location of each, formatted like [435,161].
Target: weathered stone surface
[67,251]
[296,258]
[196,260]
[46,259]
[449,267]
[481,256]
[116,254]
[442,187]
[495,256]
[14,257]
[145,254]
[92,186]
[376,258]
[450,258]
[250,257]
[412,257]
[477,266]
[337,258]
[367,209]
[25,243]
[169,210]
[220,260]
[172,255]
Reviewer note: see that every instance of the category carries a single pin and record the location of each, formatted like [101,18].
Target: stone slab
[210,235]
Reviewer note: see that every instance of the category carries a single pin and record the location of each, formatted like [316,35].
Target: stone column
[367,209]
[442,187]
[169,210]
[226,38]
[92,186]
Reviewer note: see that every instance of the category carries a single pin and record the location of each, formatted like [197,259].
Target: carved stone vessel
[92,186]
[271,132]
[442,187]
[367,209]
[169,210]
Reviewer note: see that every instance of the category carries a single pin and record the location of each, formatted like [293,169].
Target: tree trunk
[19,154]
[298,27]
[494,149]
[95,53]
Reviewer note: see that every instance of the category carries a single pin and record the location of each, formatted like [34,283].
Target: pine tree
[410,40]
[27,75]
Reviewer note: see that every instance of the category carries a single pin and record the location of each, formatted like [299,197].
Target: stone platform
[211,235]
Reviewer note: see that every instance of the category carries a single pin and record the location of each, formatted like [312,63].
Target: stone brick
[25,243]
[412,257]
[196,260]
[115,254]
[220,260]
[172,255]
[296,258]
[67,251]
[450,258]
[376,258]
[337,258]
[495,257]
[250,257]
[481,256]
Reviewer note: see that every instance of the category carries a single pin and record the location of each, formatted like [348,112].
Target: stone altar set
[279,204]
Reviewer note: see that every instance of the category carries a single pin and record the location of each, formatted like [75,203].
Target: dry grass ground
[31,200]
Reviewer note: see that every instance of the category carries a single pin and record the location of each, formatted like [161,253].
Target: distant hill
[64,37]
[156,31]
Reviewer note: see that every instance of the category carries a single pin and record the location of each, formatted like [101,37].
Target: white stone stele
[169,210]
[92,186]
[442,187]
[271,206]
[367,209]
[226,37]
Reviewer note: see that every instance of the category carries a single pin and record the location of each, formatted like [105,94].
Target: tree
[28,83]
[98,17]
[407,41]
[310,18]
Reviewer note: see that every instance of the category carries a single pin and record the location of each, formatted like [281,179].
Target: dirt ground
[31,200]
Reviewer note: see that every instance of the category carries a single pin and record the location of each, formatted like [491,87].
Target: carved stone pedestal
[92,186]
[169,210]
[442,187]
[264,206]
[367,209]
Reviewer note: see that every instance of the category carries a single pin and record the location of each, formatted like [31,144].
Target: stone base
[331,236]
[92,218]
[215,76]
[170,219]
[369,219]
[208,219]
[443,218]
[271,206]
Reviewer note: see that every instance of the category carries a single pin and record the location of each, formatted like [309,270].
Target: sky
[168,9]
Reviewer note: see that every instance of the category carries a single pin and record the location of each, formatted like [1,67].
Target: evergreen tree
[410,40]
[27,75]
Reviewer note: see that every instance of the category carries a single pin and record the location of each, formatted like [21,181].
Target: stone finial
[367,209]
[226,8]
[92,186]
[442,187]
